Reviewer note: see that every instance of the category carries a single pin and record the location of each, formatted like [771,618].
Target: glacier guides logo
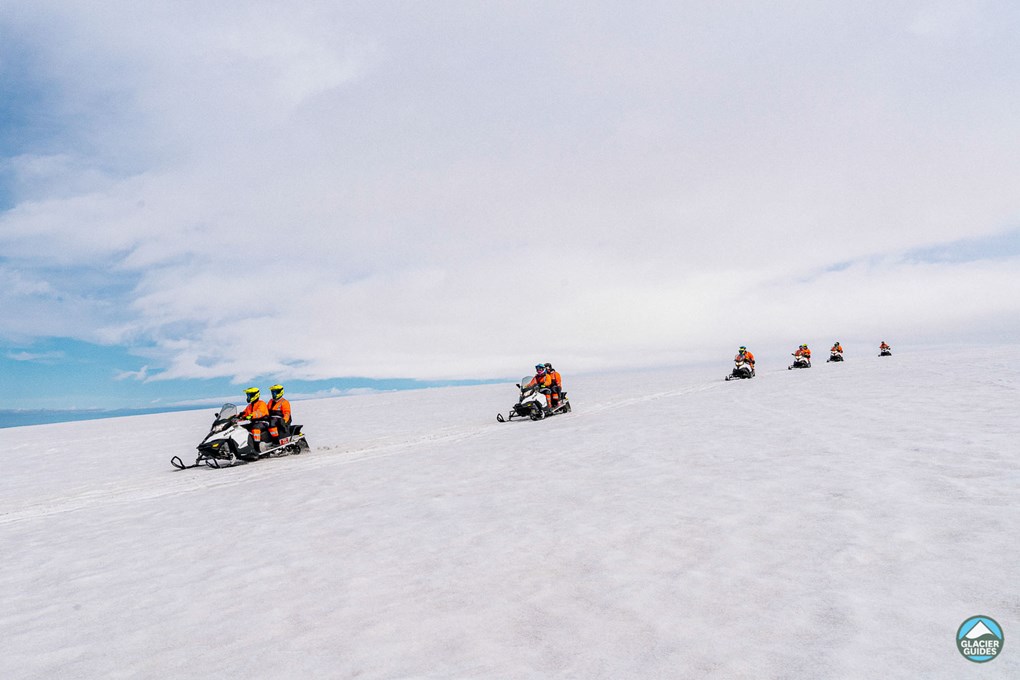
[979,639]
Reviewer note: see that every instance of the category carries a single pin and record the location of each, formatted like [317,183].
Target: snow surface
[835,522]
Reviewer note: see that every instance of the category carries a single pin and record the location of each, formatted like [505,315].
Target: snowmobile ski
[179,464]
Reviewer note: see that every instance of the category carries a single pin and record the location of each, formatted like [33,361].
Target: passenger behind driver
[279,413]
[557,384]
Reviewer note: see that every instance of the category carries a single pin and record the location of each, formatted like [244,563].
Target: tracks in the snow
[118,491]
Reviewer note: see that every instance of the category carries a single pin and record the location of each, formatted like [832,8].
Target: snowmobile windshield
[224,417]
[524,384]
[227,411]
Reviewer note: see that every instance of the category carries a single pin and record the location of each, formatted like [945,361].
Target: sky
[646,534]
[198,197]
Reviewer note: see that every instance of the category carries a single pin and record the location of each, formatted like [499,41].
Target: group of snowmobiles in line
[264,430]
[261,430]
[744,361]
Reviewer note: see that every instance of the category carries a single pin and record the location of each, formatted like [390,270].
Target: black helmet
[548,366]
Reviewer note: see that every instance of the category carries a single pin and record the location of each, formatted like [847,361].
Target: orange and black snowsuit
[884,346]
[746,356]
[837,348]
[257,413]
[279,416]
[805,352]
[257,410]
[557,385]
[544,382]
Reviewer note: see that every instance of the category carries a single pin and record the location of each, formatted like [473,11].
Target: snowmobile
[230,442]
[531,404]
[885,352]
[741,369]
[834,356]
[799,362]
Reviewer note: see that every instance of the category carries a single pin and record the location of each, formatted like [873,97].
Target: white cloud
[404,191]
[141,374]
[36,357]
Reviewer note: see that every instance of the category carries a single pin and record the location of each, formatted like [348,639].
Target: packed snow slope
[835,522]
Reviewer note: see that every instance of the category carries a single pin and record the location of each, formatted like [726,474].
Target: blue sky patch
[1006,244]
[69,375]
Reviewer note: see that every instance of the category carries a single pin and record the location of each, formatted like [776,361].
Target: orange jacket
[802,353]
[544,380]
[256,410]
[883,346]
[837,348]
[280,407]
[557,380]
[747,356]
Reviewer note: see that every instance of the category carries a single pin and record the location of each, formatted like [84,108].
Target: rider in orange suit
[544,381]
[256,413]
[744,354]
[557,383]
[279,412]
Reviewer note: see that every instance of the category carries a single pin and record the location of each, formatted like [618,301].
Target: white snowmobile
[531,404]
[835,356]
[742,369]
[799,361]
[230,442]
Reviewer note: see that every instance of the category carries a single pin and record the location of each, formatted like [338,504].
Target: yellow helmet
[276,391]
[251,394]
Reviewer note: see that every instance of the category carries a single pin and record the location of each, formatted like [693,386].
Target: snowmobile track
[200,480]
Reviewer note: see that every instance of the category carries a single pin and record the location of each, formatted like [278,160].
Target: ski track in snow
[326,456]
[117,493]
